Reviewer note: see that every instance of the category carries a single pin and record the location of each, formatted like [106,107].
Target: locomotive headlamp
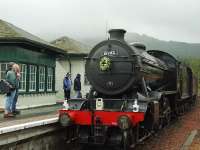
[65,120]
[99,104]
[105,63]
[124,122]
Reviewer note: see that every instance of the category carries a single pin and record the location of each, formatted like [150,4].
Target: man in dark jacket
[77,86]
[67,86]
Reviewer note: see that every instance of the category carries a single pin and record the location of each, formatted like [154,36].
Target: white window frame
[23,77]
[4,71]
[49,79]
[32,78]
[41,78]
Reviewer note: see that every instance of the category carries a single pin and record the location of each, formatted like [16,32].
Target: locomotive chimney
[117,34]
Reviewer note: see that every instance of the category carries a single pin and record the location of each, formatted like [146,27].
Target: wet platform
[40,132]
[32,112]
[30,128]
[30,118]
[14,124]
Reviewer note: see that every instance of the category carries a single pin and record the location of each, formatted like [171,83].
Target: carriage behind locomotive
[133,92]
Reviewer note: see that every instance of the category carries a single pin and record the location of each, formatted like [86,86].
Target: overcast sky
[177,20]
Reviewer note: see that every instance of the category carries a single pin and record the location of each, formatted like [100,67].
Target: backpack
[5,86]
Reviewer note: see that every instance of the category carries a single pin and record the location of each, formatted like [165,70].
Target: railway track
[94,148]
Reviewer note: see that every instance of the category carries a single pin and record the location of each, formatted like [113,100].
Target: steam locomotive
[133,93]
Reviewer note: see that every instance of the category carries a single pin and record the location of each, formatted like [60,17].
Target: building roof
[12,34]
[71,46]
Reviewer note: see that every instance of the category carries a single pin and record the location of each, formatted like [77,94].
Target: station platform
[35,111]
[14,124]
[29,118]
[36,132]
[30,127]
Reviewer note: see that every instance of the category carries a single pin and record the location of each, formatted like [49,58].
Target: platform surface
[17,121]
[31,115]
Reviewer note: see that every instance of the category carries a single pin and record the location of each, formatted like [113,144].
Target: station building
[37,59]
[74,63]
[43,65]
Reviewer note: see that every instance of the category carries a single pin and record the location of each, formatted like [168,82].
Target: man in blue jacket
[67,86]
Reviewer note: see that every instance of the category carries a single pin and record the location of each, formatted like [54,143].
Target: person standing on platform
[11,79]
[67,86]
[17,71]
[77,86]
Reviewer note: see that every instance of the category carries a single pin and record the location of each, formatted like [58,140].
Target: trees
[194,63]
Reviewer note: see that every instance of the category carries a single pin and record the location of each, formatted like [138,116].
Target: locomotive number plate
[110,53]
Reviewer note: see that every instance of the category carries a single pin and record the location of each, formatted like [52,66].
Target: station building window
[32,78]
[41,78]
[23,69]
[3,68]
[50,79]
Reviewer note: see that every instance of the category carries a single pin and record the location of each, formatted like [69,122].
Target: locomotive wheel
[166,112]
[168,116]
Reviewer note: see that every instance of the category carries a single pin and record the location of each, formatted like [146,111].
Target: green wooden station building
[37,60]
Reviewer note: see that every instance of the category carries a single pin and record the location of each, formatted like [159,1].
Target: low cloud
[167,20]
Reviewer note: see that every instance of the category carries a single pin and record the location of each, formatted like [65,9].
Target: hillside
[71,46]
[179,49]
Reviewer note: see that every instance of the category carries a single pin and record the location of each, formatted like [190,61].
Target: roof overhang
[77,54]
[41,46]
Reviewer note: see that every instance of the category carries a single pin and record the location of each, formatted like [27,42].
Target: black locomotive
[133,92]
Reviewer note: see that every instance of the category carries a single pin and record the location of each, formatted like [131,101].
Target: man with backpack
[12,80]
